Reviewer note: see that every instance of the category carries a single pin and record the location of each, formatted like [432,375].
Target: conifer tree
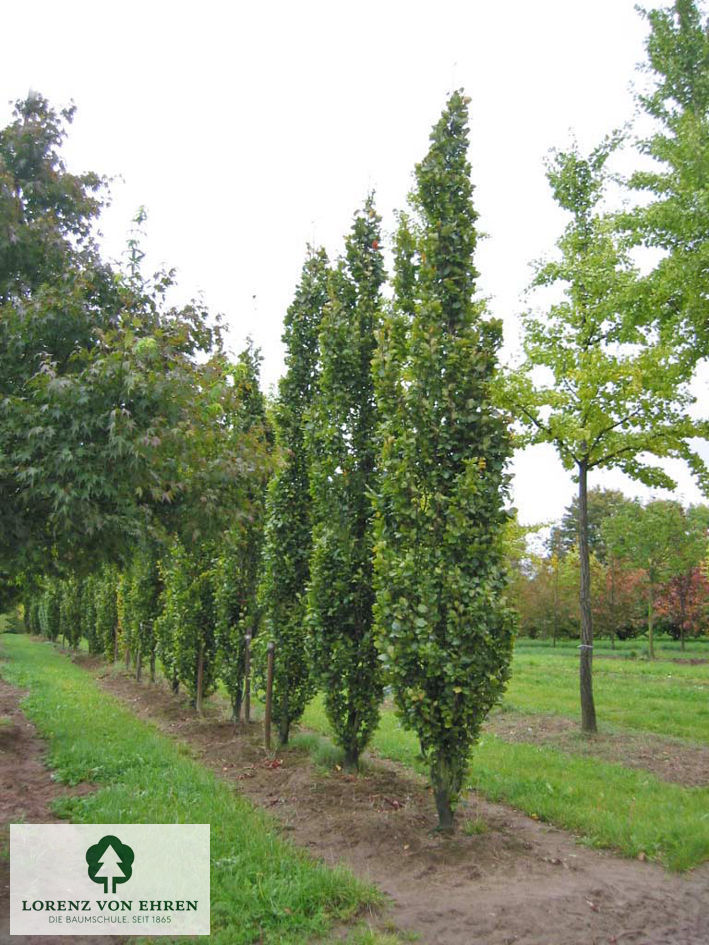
[444,629]
[288,503]
[343,470]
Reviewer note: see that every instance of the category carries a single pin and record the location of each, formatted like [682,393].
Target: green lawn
[263,888]
[644,695]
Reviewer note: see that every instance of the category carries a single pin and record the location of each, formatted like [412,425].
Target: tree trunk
[556,600]
[614,620]
[200,681]
[588,709]
[351,761]
[152,666]
[650,622]
[138,665]
[443,791]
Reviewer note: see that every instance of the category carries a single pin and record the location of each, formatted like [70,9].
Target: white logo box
[163,891]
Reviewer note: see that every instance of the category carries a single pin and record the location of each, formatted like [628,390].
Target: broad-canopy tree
[108,397]
[676,218]
[443,625]
[342,427]
[606,394]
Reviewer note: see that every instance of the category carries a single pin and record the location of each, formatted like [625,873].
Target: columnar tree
[70,610]
[445,631]
[238,564]
[106,591]
[142,592]
[611,393]
[188,620]
[288,538]
[342,433]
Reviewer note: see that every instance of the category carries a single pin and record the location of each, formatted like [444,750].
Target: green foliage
[676,219]
[89,622]
[105,586]
[238,565]
[115,406]
[70,610]
[602,504]
[288,535]
[186,626]
[611,395]
[342,445]
[663,540]
[49,610]
[444,629]
[141,602]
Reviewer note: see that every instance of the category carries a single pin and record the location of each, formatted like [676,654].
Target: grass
[263,888]
[647,696]
[604,804]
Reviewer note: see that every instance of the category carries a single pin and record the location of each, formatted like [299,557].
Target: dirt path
[512,880]
[26,792]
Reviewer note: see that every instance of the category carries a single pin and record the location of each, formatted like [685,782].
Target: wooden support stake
[247,678]
[269,693]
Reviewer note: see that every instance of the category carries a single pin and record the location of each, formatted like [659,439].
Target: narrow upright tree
[237,566]
[343,474]
[444,628]
[287,543]
[613,393]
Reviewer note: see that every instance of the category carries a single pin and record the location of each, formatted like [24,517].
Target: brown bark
[588,708]
[200,681]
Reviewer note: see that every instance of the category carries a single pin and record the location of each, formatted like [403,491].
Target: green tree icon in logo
[110,861]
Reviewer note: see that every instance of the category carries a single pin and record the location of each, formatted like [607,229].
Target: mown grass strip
[263,888]
[605,804]
[649,696]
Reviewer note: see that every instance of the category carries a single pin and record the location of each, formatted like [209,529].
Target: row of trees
[136,458]
[649,564]
[373,556]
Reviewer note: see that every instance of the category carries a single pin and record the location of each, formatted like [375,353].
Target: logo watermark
[152,879]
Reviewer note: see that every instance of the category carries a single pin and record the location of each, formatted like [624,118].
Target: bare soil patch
[670,759]
[27,790]
[515,881]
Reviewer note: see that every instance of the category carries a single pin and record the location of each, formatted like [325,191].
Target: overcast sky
[250,129]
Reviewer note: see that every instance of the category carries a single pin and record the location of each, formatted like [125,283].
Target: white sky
[249,129]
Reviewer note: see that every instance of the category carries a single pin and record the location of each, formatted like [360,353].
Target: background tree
[444,629]
[602,504]
[662,540]
[288,537]
[613,392]
[342,427]
[684,603]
